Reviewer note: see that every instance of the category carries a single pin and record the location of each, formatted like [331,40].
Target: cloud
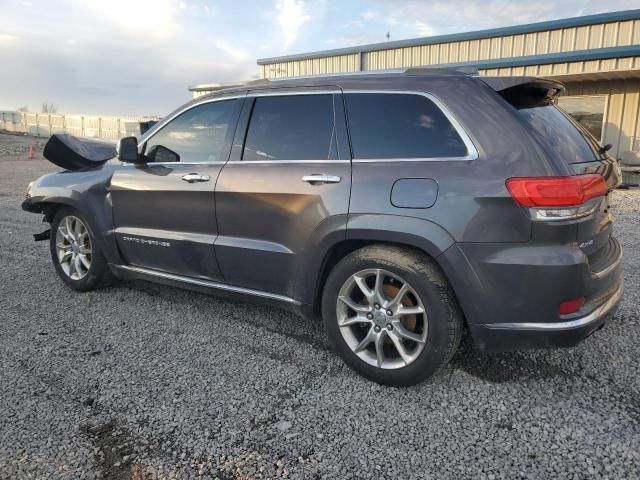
[235,53]
[110,66]
[292,14]
[423,29]
[346,40]
[369,14]
[6,38]
[139,56]
[141,18]
[407,17]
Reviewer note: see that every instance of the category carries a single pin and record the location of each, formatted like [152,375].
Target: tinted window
[400,126]
[293,127]
[588,111]
[197,135]
[558,135]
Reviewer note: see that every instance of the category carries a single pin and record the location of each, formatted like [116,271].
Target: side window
[291,127]
[390,125]
[199,135]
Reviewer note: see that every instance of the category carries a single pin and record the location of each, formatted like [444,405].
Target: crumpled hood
[73,153]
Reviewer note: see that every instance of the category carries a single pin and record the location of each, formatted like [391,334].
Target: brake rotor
[409,321]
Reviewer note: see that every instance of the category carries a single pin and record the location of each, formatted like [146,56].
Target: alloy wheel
[73,247]
[382,318]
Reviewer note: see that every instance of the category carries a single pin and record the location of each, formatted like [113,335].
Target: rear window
[384,125]
[559,135]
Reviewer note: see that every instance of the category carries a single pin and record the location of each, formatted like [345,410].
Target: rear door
[285,189]
[164,210]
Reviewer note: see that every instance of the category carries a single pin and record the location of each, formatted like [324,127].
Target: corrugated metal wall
[621,119]
[315,66]
[614,34]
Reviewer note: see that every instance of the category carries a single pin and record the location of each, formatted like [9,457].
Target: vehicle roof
[381,79]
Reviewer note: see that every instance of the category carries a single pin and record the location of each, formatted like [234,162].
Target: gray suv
[404,208]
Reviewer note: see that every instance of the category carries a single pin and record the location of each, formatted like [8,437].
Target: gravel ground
[144,381]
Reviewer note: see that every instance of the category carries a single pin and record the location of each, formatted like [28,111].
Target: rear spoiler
[526,92]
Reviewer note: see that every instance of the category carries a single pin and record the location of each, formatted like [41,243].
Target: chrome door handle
[317,179]
[195,177]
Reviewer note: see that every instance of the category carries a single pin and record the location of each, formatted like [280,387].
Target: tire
[428,340]
[91,269]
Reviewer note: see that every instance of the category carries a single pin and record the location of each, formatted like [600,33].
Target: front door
[164,210]
[285,188]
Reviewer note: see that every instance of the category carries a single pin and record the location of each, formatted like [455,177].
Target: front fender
[85,191]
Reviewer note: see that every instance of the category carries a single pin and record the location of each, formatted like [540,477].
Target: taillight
[558,198]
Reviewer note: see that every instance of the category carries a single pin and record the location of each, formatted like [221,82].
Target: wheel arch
[420,235]
[98,220]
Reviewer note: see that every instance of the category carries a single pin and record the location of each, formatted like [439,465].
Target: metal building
[596,56]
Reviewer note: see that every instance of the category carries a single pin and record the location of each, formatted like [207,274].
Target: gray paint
[256,228]
[414,193]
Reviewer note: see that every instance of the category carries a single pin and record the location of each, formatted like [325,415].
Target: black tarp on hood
[73,153]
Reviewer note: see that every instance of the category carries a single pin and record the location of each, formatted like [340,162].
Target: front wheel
[391,315]
[75,256]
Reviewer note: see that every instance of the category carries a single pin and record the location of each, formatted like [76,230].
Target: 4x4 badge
[586,244]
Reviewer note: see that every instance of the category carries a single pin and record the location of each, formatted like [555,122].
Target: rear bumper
[510,293]
[500,337]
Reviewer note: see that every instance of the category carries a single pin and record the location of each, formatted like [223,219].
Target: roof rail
[416,71]
[411,72]
[214,87]
[259,81]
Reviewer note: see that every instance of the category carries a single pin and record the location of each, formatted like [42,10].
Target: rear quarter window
[400,125]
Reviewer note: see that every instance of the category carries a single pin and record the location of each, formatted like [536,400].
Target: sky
[138,57]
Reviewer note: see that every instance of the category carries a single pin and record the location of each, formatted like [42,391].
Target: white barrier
[46,124]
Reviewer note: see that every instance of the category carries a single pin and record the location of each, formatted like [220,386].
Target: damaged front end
[72,153]
[83,161]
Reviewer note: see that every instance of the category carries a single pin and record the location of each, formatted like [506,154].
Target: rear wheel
[391,315]
[74,253]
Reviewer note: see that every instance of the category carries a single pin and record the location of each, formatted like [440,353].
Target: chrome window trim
[295,91]
[208,283]
[472,151]
[471,148]
[280,93]
[240,162]
[165,122]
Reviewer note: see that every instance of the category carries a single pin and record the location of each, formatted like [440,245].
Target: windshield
[562,137]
